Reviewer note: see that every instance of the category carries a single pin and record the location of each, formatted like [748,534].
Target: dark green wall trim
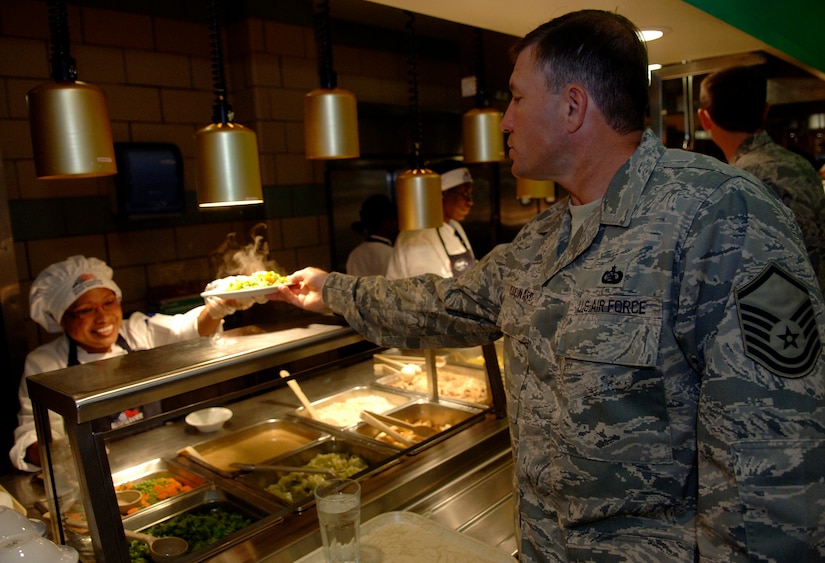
[795,27]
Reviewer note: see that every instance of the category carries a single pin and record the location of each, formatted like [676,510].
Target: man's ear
[577,100]
[705,119]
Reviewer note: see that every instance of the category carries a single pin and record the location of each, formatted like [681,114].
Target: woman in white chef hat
[79,298]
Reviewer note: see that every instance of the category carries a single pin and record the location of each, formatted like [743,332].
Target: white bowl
[209,420]
[34,549]
[12,522]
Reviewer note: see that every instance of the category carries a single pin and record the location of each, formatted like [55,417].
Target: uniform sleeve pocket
[781,487]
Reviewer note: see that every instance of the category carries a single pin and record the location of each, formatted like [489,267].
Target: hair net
[58,286]
[455,177]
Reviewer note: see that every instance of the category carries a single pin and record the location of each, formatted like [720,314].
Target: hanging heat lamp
[330,113]
[417,190]
[226,153]
[527,189]
[482,136]
[69,120]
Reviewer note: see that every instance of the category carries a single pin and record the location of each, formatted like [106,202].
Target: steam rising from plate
[232,258]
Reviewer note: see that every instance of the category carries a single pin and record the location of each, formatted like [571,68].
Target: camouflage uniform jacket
[797,184]
[666,386]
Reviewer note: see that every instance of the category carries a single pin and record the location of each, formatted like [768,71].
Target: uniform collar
[628,183]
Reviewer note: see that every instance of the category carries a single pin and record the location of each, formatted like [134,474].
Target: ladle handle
[300,394]
[146,538]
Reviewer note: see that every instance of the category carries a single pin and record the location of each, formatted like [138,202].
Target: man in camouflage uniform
[733,110]
[665,376]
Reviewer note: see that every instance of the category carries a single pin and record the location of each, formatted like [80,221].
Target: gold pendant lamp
[228,168]
[535,189]
[481,133]
[69,120]
[417,190]
[330,113]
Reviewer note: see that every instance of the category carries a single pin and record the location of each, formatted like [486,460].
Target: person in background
[79,299]
[379,221]
[444,251]
[733,109]
[663,361]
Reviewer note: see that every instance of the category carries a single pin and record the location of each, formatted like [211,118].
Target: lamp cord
[64,68]
[327,75]
[481,95]
[222,110]
[415,101]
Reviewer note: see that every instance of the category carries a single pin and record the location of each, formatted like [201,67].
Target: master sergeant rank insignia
[778,323]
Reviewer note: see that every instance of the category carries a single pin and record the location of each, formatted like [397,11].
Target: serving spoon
[160,549]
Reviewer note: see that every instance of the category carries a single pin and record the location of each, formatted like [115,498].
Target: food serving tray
[145,473]
[345,407]
[457,383]
[254,444]
[376,457]
[406,537]
[447,417]
[199,503]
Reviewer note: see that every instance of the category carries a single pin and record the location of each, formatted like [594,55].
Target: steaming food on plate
[256,280]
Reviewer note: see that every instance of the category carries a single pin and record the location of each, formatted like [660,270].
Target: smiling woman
[78,298]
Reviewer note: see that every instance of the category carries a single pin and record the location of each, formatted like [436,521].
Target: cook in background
[79,299]
[664,366]
[379,222]
[444,251]
[733,109]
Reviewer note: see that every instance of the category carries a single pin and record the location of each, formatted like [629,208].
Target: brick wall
[158,81]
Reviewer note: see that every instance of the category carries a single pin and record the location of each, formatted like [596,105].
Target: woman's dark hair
[735,98]
[375,210]
[603,52]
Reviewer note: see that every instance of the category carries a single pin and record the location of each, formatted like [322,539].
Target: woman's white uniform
[429,251]
[139,332]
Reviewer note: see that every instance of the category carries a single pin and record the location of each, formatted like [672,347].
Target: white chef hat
[455,177]
[58,286]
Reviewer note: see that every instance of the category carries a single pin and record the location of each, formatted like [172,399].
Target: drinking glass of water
[338,502]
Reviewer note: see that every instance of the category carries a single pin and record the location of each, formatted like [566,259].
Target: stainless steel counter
[463,481]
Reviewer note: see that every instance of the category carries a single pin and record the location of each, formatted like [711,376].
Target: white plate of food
[239,287]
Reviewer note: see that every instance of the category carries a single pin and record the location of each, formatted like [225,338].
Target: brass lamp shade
[535,189]
[331,124]
[228,167]
[482,136]
[71,132]
[418,194]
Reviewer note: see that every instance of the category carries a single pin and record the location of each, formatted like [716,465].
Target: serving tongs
[370,419]
[419,430]
[284,468]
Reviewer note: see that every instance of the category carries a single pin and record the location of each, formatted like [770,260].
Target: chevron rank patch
[778,323]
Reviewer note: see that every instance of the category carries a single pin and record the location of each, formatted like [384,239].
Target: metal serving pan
[202,503]
[157,468]
[254,444]
[344,407]
[376,456]
[449,416]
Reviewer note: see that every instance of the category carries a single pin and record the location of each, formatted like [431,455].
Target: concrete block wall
[156,74]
